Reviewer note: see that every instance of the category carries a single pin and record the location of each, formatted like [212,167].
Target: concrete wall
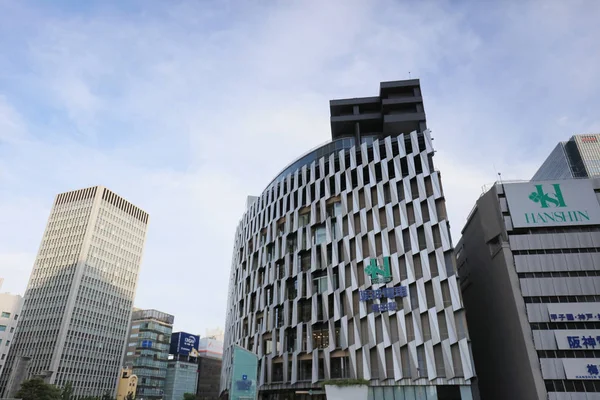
[503,349]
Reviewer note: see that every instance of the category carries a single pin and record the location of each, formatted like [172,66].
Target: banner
[243,375]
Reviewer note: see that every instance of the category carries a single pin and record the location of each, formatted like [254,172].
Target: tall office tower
[148,351]
[343,267]
[10,308]
[529,263]
[579,157]
[77,306]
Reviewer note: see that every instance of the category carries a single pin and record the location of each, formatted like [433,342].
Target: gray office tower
[529,266]
[77,306]
[579,157]
[343,267]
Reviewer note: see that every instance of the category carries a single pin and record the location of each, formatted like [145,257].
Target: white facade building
[78,303]
[343,267]
[10,308]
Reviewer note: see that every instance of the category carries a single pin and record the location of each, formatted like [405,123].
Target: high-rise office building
[343,267]
[77,306]
[579,157]
[148,351]
[10,308]
[529,266]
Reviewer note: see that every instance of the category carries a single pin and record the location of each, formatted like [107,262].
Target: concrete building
[579,157]
[343,267]
[77,306]
[127,384]
[529,266]
[148,351]
[209,372]
[10,308]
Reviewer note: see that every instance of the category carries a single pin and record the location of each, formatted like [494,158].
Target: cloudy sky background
[185,108]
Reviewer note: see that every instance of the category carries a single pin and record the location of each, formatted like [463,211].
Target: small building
[209,372]
[10,307]
[127,384]
[181,378]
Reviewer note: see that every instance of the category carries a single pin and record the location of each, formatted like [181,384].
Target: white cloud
[186,109]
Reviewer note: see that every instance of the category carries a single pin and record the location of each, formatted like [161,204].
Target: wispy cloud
[185,108]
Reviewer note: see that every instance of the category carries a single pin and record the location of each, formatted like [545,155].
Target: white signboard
[580,339]
[552,203]
[582,368]
[574,312]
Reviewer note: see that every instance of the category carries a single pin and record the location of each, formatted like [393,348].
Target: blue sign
[390,293]
[575,317]
[391,306]
[146,344]
[576,342]
[183,343]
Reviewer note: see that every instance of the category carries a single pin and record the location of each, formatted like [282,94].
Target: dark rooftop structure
[397,109]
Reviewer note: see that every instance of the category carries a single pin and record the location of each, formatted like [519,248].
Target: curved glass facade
[343,268]
[313,155]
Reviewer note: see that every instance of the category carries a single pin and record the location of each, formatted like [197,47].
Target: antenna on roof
[408,74]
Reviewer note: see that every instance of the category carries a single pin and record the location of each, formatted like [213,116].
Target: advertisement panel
[243,375]
[584,339]
[183,343]
[574,312]
[582,368]
[552,203]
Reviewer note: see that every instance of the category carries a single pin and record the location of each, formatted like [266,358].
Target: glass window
[5,314]
[304,219]
[320,284]
[2,328]
[320,234]
[321,338]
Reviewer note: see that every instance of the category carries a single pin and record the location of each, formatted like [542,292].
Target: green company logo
[539,196]
[377,274]
[552,200]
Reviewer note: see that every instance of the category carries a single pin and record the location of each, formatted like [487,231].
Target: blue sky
[185,108]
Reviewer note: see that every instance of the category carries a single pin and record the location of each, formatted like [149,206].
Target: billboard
[210,348]
[568,339]
[552,203]
[244,375]
[183,343]
[574,312]
[582,368]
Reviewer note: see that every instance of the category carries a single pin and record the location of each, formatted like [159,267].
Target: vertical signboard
[243,375]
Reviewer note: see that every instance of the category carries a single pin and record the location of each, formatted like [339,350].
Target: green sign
[545,199]
[243,375]
[562,203]
[379,275]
